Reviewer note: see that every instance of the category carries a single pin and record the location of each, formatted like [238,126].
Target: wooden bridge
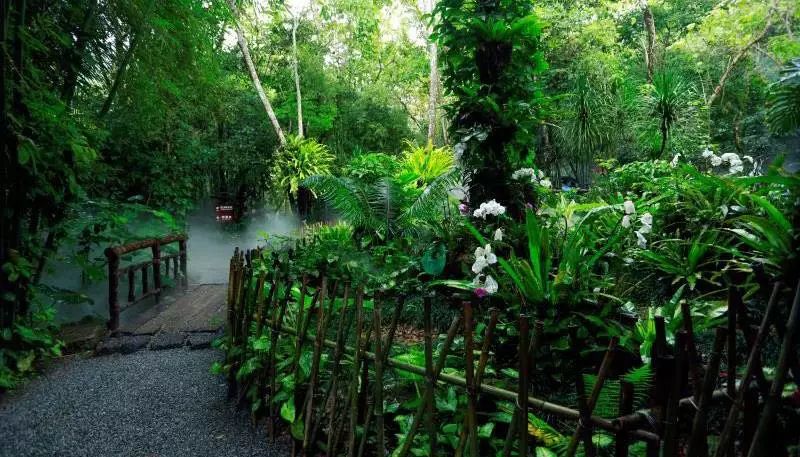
[192,317]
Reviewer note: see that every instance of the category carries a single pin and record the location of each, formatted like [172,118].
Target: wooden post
[772,403]
[522,390]
[113,286]
[753,364]
[734,305]
[182,252]
[469,375]
[430,382]
[691,349]
[353,390]
[622,441]
[131,285]
[157,270]
[145,282]
[673,401]
[698,445]
[602,374]
[378,402]
[428,397]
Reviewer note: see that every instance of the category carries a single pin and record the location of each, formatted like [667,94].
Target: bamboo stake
[752,361]
[315,362]
[469,376]
[352,396]
[605,366]
[625,407]
[734,305]
[772,403]
[430,382]
[671,420]
[376,315]
[488,335]
[694,366]
[522,390]
[580,387]
[428,395]
[337,357]
[389,341]
[533,348]
[698,446]
[507,395]
[275,339]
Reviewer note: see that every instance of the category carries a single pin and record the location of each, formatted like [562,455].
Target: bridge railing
[115,272]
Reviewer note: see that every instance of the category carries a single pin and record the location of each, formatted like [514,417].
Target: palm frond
[347,198]
[429,204]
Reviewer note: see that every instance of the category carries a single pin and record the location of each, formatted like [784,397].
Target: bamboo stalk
[622,441]
[507,395]
[671,420]
[275,339]
[752,361]
[315,362]
[469,376]
[378,402]
[522,390]
[389,341]
[772,403]
[428,395]
[580,388]
[698,446]
[734,305]
[482,361]
[430,382]
[605,367]
[331,398]
[353,391]
[694,366]
[533,347]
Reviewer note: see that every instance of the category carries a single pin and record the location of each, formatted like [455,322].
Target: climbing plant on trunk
[491,58]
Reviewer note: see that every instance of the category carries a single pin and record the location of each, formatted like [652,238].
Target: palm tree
[665,102]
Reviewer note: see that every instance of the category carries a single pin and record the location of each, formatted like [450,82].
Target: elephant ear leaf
[434,258]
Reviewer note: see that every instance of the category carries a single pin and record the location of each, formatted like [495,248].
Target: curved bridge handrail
[114,253]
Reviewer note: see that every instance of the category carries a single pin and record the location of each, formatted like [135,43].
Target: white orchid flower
[498,235]
[489,208]
[546,183]
[626,221]
[629,207]
[716,160]
[641,241]
[674,162]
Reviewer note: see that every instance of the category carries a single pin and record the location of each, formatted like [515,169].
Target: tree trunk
[433,90]
[254,75]
[123,65]
[650,46]
[297,79]
[721,85]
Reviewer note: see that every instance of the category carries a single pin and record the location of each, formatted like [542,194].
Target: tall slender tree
[243,46]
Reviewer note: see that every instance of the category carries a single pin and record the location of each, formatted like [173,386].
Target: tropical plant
[783,109]
[491,57]
[421,165]
[666,99]
[386,208]
[371,167]
[300,159]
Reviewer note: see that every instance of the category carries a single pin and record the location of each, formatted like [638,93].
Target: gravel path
[150,403]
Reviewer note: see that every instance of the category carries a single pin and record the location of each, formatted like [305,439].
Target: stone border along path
[162,340]
[150,403]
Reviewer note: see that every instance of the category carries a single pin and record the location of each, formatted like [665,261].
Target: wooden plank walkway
[201,309]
